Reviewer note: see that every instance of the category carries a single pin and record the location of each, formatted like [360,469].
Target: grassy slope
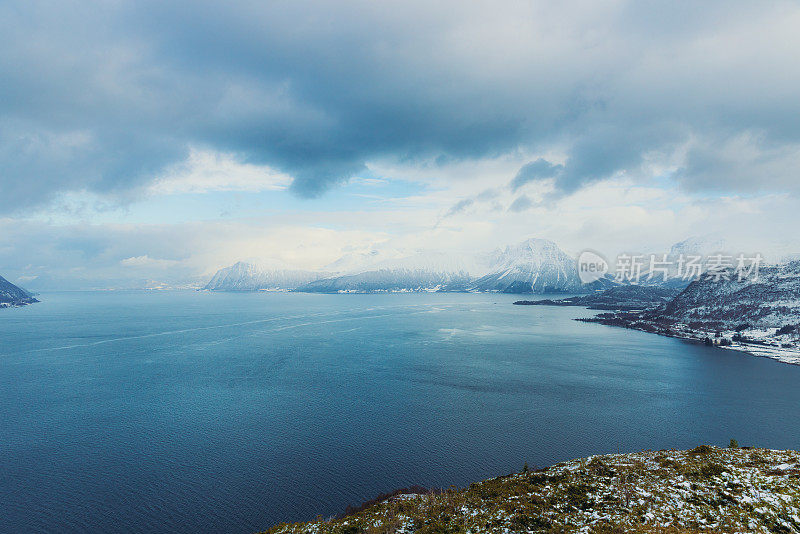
[702,490]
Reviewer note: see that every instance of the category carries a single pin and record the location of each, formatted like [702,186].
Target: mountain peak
[533,266]
[539,242]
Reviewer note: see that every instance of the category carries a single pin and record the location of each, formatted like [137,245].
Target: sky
[149,141]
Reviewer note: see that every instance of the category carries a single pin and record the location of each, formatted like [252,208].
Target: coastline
[4,305]
[787,355]
[780,354]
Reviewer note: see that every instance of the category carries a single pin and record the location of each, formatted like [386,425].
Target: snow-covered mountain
[788,258]
[11,295]
[422,271]
[769,300]
[357,262]
[391,280]
[453,262]
[699,245]
[534,266]
[243,276]
[666,271]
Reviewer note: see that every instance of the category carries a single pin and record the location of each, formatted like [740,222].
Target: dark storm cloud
[540,169]
[104,96]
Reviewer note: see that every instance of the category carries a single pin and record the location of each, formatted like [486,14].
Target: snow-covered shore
[765,342]
[781,354]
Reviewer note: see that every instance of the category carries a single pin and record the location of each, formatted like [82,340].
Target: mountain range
[533,266]
[11,295]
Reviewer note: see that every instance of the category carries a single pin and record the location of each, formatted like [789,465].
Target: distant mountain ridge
[421,272]
[533,266]
[11,295]
[243,276]
[391,280]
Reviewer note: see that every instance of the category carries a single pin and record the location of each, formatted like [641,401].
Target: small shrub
[706,471]
[702,449]
[608,528]
[597,467]
[530,522]
[537,479]
[577,495]
[668,463]
[437,527]
[733,444]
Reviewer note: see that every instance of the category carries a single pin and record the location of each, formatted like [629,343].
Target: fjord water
[215,412]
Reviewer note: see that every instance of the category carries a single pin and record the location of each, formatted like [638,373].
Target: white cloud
[207,171]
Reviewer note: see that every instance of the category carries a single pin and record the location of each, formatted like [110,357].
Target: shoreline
[790,356]
[779,354]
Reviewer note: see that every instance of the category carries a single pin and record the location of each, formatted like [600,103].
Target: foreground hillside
[705,489]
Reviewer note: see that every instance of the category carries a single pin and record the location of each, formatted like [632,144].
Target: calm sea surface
[191,411]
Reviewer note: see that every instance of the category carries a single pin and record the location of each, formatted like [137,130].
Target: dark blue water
[183,411]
